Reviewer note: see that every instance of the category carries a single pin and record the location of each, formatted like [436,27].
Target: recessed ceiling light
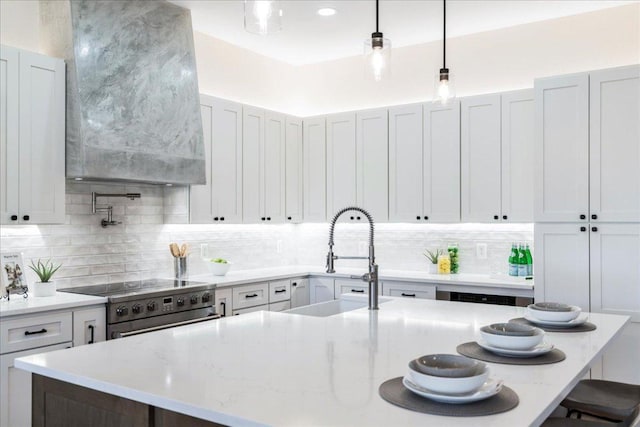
[326,11]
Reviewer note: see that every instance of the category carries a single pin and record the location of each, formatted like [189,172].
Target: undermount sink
[330,308]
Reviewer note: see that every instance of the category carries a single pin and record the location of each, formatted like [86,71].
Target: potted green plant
[432,267]
[45,270]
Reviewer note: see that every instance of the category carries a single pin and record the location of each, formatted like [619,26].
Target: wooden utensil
[175,251]
[183,250]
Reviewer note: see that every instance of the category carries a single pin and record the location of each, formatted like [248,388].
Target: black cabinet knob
[583,229]
[289,218]
[215,218]
[594,216]
[504,217]
[294,284]
[418,217]
[263,218]
[496,217]
[14,217]
[221,218]
[352,218]
[358,218]
[594,229]
[268,218]
[426,218]
[25,217]
[583,216]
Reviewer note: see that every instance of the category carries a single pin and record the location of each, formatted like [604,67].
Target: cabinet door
[250,295]
[614,147]
[620,361]
[315,158]
[352,286]
[561,261]
[252,165]
[293,170]
[341,162]
[89,326]
[409,290]
[42,139]
[9,141]
[300,294]
[441,175]
[372,147]
[320,290]
[561,149]
[201,203]
[280,306]
[615,269]
[264,307]
[273,165]
[405,163]
[223,298]
[480,155]
[15,388]
[517,153]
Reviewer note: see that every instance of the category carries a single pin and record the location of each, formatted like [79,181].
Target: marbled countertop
[268,368]
[62,300]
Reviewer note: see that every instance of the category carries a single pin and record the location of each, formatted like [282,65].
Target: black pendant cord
[377,31]
[444,34]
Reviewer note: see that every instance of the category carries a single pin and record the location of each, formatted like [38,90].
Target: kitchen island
[281,369]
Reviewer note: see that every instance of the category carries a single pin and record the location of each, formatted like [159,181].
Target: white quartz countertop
[233,278]
[279,369]
[61,300]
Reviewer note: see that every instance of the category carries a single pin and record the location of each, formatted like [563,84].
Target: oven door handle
[167,326]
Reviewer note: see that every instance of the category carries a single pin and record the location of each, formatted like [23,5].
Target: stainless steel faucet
[372,275]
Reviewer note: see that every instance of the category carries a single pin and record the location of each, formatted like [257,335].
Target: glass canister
[444,264]
[453,255]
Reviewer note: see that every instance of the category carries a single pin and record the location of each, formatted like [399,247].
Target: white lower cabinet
[320,290]
[89,326]
[408,290]
[352,286]
[279,291]
[223,298]
[250,296]
[15,387]
[263,307]
[620,360]
[300,294]
[280,306]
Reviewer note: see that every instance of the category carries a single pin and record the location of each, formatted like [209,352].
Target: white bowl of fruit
[219,266]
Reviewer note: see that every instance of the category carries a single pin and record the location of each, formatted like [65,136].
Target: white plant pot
[44,289]
[432,268]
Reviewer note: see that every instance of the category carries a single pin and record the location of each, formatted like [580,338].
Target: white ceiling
[308,38]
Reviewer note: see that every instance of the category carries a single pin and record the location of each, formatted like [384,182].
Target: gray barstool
[604,399]
[574,422]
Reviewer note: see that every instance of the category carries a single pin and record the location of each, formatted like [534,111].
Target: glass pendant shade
[377,56]
[262,17]
[444,90]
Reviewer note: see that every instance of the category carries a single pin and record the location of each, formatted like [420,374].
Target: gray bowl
[447,365]
[550,306]
[509,329]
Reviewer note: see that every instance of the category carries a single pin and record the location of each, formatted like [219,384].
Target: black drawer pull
[263,218]
[583,216]
[215,218]
[279,291]
[14,217]
[408,295]
[358,291]
[583,229]
[504,217]
[289,218]
[594,229]
[268,218]
[224,308]
[294,284]
[221,218]
[25,217]
[251,296]
[41,331]
[92,328]
[496,217]
[594,216]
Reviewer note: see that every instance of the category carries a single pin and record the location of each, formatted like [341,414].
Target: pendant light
[262,17]
[377,53]
[444,88]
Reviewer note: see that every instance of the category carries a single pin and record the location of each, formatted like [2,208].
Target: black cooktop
[132,288]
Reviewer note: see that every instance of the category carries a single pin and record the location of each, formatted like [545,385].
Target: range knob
[194,299]
[180,302]
[122,310]
[151,306]
[206,297]
[136,308]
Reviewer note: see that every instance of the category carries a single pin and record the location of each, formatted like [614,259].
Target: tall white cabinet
[314,169]
[32,138]
[372,165]
[220,199]
[294,189]
[341,162]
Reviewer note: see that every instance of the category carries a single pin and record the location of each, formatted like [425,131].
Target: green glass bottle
[453,255]
[513,260]
[529,258]
[522,261]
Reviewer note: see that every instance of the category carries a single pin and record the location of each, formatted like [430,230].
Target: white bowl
[447,385]
[218,268]
[513,342]
[448,365]
[554,316]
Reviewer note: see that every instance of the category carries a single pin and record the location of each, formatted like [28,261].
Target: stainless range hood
[133,111]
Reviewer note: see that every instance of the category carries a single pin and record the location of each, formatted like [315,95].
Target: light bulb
[262,11]
[262,17]
[443,91]
[444,87]
[377,51]
[377,64]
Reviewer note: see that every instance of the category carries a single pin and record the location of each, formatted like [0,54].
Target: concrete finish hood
[133,105]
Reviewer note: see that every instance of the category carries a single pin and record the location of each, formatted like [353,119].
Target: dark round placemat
[585,327]
[393,391]
[472,349]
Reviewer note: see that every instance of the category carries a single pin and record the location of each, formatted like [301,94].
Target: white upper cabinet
[441,162]
[273,166]
[372,165]
[341,163]
[481,154]
[252,172]
[315,161]
[293,170]
[405,163]
[32,114]
[561,165]
[615,144]
[518,117]
[220,199]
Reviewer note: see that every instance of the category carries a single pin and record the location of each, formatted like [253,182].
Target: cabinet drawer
[409,290]
[280,306]
[28,332]
[353,287]
[262,307]
[250,295]
[279,291]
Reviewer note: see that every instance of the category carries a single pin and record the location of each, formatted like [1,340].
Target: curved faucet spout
[372,275]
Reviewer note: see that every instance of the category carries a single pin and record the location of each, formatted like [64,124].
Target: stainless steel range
[150,305]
